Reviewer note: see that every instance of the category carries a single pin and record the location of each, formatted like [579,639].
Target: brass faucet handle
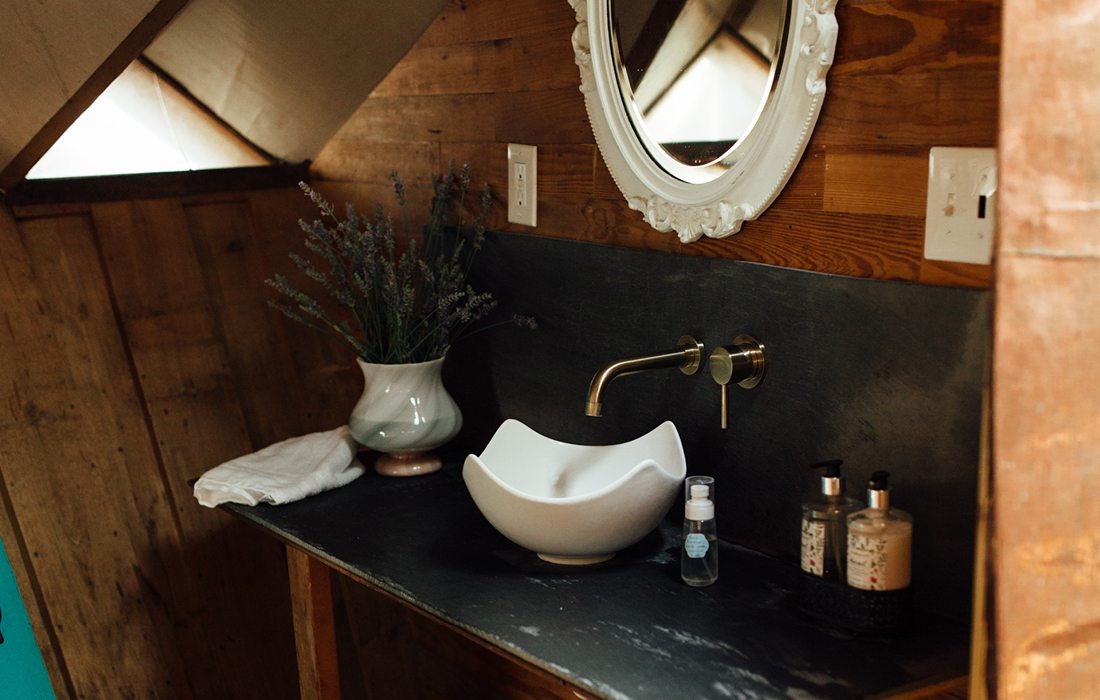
[741,362]
[725,407]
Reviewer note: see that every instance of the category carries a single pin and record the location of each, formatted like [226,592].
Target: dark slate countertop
[628,628]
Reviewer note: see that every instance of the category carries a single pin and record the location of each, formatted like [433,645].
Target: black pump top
[878,481]
[831,466]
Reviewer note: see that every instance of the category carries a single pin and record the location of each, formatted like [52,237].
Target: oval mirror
[703,108]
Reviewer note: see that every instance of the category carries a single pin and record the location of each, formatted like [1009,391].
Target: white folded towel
[286,471]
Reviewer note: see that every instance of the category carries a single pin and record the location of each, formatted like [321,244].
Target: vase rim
[364,363]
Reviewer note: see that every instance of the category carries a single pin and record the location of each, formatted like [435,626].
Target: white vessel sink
[575,504]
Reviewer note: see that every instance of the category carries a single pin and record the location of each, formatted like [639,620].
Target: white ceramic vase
[404,413]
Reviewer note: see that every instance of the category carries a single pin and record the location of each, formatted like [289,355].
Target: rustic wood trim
[981,625]
[130,48]
[314,626]
[107,188]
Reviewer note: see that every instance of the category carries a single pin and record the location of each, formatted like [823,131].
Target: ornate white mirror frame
[766,157]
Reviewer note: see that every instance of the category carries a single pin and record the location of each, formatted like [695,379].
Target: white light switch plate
[522,184]
[962,204]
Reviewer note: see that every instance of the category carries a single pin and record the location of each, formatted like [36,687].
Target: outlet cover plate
[522,184]
[961,209]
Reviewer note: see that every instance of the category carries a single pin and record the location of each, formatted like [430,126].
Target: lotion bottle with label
[824,525]
[880,541]
[699,551]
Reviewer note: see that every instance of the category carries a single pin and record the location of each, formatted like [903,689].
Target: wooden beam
[314,626]
[1046,428]
[185,184]
[126,52]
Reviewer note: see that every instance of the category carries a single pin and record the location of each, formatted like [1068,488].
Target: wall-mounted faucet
[741,362]
[688,357]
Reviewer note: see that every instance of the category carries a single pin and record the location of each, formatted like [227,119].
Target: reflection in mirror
[695,75]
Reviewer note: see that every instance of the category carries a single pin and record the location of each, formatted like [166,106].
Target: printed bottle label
[696,545]
[879,563]
[813,547]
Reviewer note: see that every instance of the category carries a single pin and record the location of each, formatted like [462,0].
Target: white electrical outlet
[961,210]
[522,184]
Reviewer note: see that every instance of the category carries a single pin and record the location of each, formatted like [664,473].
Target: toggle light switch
[960,214]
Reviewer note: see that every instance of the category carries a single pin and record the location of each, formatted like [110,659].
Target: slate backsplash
[883,375]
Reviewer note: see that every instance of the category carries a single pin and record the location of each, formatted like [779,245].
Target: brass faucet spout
[688,357]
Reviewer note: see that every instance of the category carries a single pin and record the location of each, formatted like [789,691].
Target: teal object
[696,545]
[22,672]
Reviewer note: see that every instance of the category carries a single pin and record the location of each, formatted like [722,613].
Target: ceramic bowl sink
[575,504]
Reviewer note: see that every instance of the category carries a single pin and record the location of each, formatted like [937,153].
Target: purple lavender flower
[396,298]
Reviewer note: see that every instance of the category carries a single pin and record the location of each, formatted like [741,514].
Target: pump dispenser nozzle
[699,506]
[832,483]
[831,466]
[823,518]
[878,490]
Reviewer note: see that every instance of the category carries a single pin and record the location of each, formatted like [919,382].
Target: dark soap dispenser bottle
[824,525]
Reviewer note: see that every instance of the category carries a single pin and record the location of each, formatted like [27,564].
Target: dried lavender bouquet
[391,306]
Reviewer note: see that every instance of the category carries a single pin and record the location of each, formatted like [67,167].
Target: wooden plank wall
[138,351]
[908,75]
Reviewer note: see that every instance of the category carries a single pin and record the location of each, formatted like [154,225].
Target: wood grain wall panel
[543,117]
[483,67]
[81,473]
[908,75]
[956,108]
[862,182]
[416,162]
[440,118]
[168,320]
[16,289]
[325,369]
[463,22]
[124,327]
[545,60]
[259,359]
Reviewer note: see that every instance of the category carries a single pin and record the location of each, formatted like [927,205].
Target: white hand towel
[286,471]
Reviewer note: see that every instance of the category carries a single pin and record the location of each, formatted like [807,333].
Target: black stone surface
[628,628]
[884,375]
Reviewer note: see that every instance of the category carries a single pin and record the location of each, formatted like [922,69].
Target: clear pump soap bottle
[699,552]
[824,525]
[880,541]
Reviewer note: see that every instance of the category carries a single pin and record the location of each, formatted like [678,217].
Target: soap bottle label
[696,545]
[879,563]
[813,547]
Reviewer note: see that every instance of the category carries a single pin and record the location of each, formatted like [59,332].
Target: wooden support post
[314,626]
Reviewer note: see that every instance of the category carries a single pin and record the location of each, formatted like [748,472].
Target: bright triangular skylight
[143,124]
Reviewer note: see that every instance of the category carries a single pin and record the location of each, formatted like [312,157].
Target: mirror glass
[695,76]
